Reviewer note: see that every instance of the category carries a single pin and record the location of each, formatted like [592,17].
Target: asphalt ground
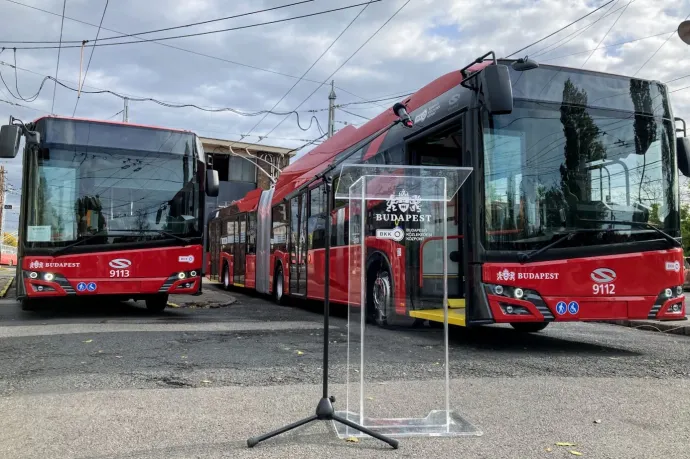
[115,381]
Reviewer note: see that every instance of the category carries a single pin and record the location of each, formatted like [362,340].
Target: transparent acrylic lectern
[402,225]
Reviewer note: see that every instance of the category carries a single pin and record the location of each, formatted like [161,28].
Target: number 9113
[119,273]
[604,289]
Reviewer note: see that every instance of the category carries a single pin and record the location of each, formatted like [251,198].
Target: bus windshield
[110,189]
[553,166]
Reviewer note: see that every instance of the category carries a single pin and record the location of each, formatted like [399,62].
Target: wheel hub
[381,294]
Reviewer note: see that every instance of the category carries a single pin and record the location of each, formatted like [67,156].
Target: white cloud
[428,39]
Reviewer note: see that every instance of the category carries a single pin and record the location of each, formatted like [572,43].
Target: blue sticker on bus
[573,307]
[91,286]
[81,286]
[561,308]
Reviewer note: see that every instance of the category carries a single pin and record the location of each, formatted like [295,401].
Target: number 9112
[604,289]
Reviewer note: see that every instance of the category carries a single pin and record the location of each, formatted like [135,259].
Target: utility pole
[331,110]
[2,208]
[125,112]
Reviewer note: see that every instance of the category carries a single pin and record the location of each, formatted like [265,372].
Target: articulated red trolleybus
[108,209]
[571,212]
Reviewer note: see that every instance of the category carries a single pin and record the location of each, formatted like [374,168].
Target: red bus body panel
[637,281]
[151,271]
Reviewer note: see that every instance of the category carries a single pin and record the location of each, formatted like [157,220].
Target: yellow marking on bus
[456,303]
[455,316]
[238,285]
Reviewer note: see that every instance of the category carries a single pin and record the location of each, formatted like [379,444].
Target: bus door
[240,250]
[298,245]
[441,149]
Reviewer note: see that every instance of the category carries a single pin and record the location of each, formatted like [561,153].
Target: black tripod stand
[324,410]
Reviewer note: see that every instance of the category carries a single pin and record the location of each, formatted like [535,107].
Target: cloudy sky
[249,70]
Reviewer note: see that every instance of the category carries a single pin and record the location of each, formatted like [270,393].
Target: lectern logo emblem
[404,202]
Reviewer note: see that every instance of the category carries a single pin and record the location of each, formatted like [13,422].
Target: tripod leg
[256,440]
[391,441]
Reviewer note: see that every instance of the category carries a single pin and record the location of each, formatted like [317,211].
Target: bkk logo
[186,259]
[603,275]
[120,263]
[673,266]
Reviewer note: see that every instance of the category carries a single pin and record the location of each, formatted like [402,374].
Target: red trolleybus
[571,212]
[108,209]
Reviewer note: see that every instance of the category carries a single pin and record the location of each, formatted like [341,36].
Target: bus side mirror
[497,89]
[10,135]
[683,153]
[212,183]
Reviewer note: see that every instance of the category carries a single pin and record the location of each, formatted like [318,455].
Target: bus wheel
[529,327]
[278,286]
[157,303]
[381,297]
[28,305]
[226,277]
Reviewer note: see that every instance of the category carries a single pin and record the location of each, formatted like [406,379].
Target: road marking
[18,331]
[4,290]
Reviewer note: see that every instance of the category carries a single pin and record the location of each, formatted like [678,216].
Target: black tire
[226,276]
[380,308]
[529,327]
[278,286]
[28,305]
[157,303]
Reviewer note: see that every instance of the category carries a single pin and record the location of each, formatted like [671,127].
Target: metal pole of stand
[324,410]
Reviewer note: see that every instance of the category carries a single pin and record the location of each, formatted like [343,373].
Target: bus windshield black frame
[578,146]
[110,184]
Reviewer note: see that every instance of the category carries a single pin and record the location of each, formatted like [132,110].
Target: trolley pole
[331,110]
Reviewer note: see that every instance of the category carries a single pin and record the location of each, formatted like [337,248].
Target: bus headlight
[181,275]
[498,290]
[48,277]
[33,275]
[193,274]
[668,292]
[519,293]
[679,290]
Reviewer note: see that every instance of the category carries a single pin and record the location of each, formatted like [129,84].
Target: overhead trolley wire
[178,48]
[81,83]
[311,66]
[658,49]
[198,34]
[169,28]
[156,101]
[559,30]
[57,66]
[344,63]
[576,33]
[607,32]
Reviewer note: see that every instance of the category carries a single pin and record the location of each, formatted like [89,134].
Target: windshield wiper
[64,249]
[665,235]
[162,233]
[525,257]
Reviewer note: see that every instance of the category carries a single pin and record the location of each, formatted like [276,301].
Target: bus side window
[279,229]
[317,219]
[251,233]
